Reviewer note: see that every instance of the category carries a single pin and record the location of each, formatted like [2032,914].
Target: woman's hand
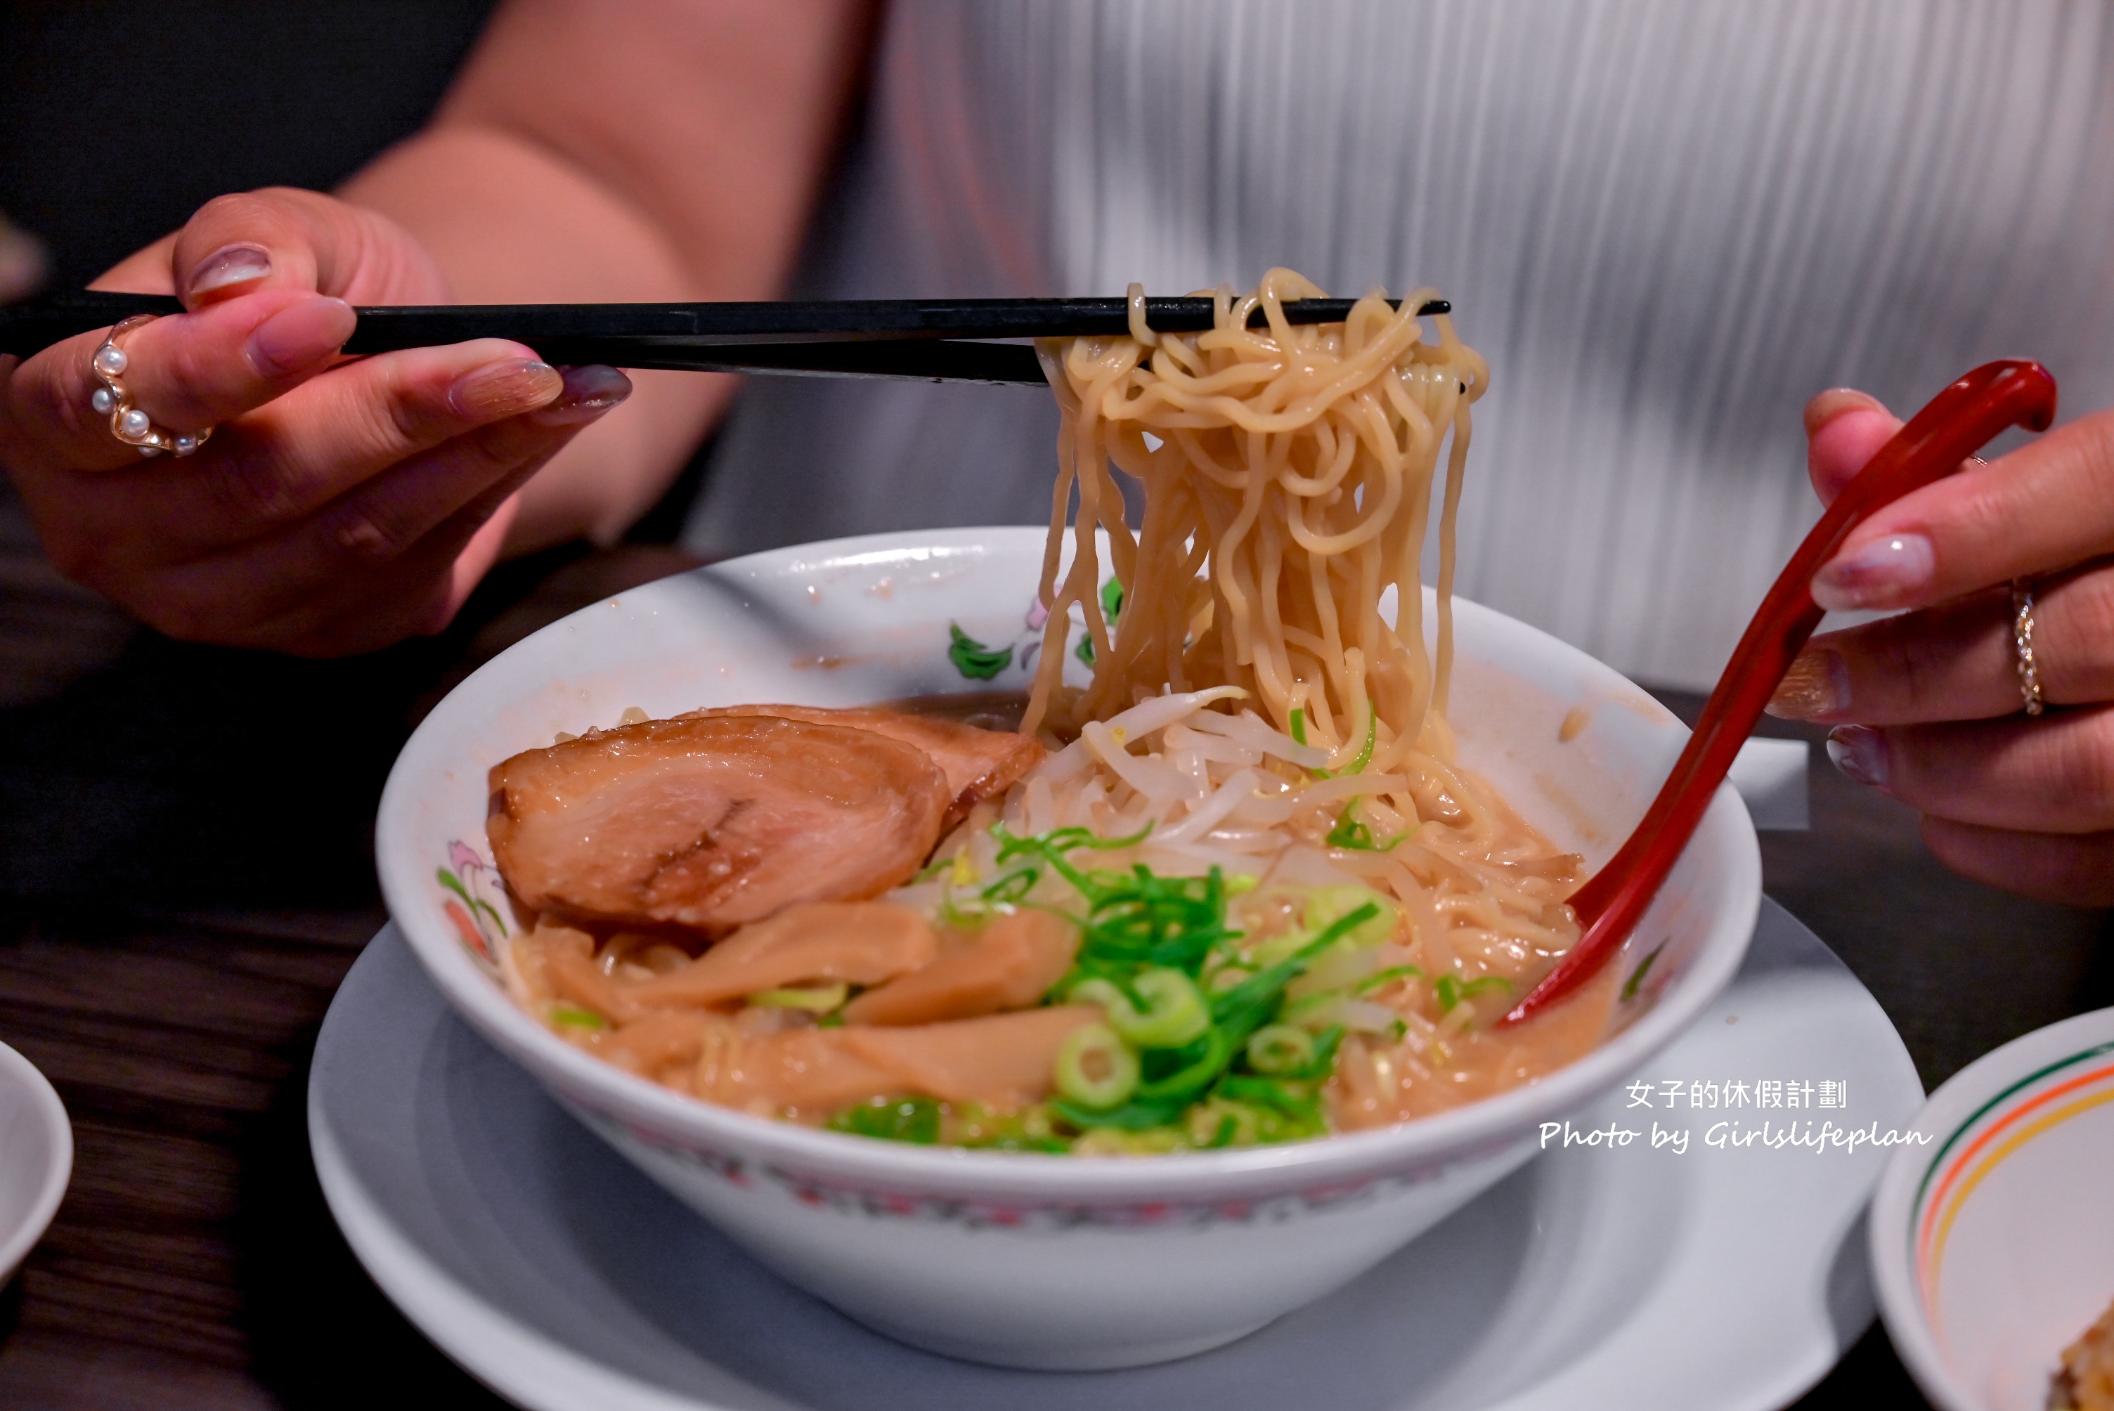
[340,505]
[1928,704]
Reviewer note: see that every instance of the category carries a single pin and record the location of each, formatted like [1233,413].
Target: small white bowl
[36,1158]
[1992,1240]
[1019,1259]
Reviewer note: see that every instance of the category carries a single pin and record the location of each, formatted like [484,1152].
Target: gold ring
[2022,645]
[127,422]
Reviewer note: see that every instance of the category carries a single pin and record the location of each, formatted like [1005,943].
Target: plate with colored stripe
[1992,1240]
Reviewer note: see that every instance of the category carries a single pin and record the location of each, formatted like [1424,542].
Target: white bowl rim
[1182,1178]
[1900,1181]
[18,1071]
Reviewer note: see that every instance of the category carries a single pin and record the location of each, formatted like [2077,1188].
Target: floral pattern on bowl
[976,661]
[995,1212]
[470,885]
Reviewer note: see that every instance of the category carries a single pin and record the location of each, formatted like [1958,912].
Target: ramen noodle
[1235,887]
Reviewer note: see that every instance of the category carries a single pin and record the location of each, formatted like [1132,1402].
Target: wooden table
[186,874]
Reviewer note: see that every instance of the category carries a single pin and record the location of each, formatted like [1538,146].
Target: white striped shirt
[1666,224]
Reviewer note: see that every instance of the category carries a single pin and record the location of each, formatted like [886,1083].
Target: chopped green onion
[1095,1068]
[815,999]
[1451,990]
[1012,887]
[1148,1141]
[1326,904]
[1644,968]
[1309,1007]
[1061,840]
[1094,989]
[573,1016]
[1197,1047]
[1030,1129]
[1324,1060]
[1380,979]
[1296,726]
[1279,1048]
[1353,836]
[1131,1117]
[1272,1094]
[1262,989]
[1340,967]
[1188,1082]
[1280,947]
[1365,751]
[1172,1013]
[913,1119]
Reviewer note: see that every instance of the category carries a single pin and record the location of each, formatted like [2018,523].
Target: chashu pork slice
[711,822]
[979,763]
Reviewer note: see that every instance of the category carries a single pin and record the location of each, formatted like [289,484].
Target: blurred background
[116,121]
[185,811]
[119,117]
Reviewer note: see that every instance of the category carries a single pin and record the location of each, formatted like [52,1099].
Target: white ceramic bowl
[1019,1259]
[1992,1240]
[36,1158]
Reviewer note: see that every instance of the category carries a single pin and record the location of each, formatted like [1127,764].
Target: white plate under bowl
[36,1157]
[1593,1278]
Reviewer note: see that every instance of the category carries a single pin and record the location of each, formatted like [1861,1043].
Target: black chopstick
[856,338]
[921,360]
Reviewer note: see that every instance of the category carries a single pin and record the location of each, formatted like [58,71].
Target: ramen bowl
[1025,1259]
[1992,1237]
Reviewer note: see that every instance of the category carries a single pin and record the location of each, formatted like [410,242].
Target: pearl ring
[127,422]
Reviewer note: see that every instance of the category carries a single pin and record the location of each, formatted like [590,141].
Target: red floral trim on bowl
[983,1213]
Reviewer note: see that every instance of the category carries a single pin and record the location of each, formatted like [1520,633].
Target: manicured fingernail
[1860,752]
[300,335]
[1828,405]
[589,392]
[228,266]
[506,388]
[1886,573]
[1816,686]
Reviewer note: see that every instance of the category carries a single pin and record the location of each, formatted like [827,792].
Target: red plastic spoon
[1958,422]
